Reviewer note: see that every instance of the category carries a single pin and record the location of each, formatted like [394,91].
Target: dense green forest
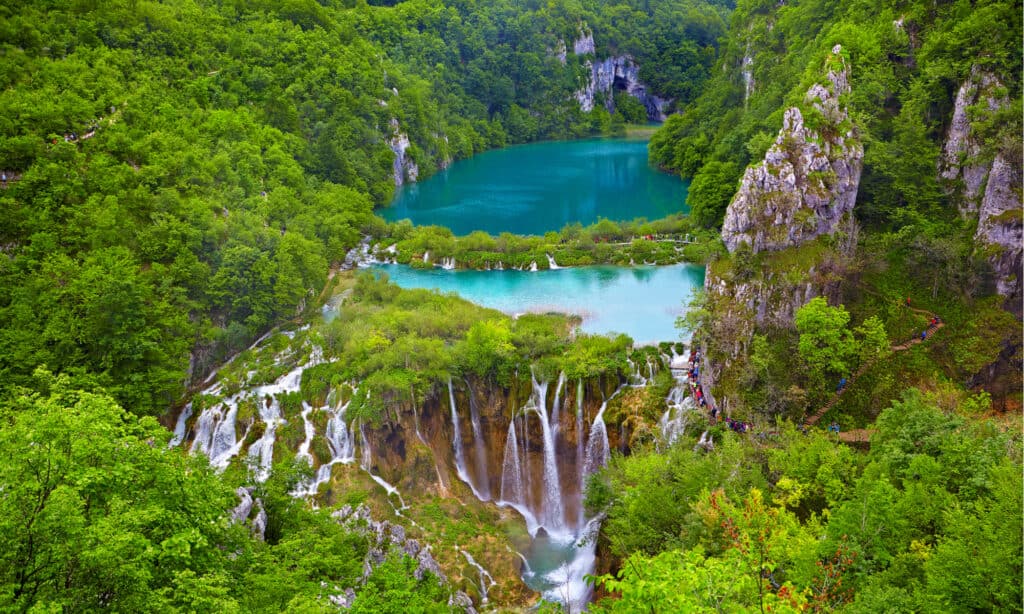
[182,178]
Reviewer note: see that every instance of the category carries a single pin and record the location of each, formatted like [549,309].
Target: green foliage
[712,188]
[794,520]
[826,345]
[96,513]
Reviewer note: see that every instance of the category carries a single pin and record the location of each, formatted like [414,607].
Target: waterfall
[512,468]
[460,459]
[501,267]
[533,266]
[486,579]
[673,421]
[636,380]
[448,263]
[426,256]
[650,369]
[557,404]
[262,450]
[597,447]
[478,445]
[309,430]
[366,463]
[579,442]
[524,430]
[179,426]
[215,433]
[342,445]
[552,500]
[551,263]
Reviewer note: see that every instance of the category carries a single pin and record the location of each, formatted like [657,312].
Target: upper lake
[531,189]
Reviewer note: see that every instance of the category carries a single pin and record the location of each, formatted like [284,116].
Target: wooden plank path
[814,418]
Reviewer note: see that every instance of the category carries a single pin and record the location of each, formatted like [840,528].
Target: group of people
[737,426]
[695,388]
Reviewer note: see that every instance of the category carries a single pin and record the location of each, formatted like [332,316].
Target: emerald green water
[531,189]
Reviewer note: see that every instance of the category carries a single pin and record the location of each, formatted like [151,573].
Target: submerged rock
[807,184]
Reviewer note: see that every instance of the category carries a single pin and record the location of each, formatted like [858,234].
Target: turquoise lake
[531,189]
[642,302]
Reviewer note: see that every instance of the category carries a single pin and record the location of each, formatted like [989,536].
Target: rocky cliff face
[986,184]
[807,184]
[404,167]
[618,73]
[962,166]
[1000,230]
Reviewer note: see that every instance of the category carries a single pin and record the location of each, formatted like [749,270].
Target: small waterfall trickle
[426,256]
[478,447]
[486,579]
[533,266]
[309,430]
[460,458]
[551,263]
[366,463]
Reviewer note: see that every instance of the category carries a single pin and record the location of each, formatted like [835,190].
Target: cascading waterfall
[551,263]
[512,469]
[553,516]
[309,430]
[179,426]
[262,450]
[478,446]
[597,447]
[673,421]
[579,441]
[460,458]
[557,405]
[342,445]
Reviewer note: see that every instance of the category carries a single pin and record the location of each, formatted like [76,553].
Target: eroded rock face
[404,167]
[618,73]
[962,166]
[1000,231]
[808,181]
[988,191]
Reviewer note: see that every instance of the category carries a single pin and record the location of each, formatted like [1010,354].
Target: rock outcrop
[985,184]
[623,74]
[404,167]
[385,537]
[1000,233]
[605,77]
[962,167]
[807,184]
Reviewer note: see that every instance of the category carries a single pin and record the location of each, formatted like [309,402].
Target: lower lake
[642,302]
